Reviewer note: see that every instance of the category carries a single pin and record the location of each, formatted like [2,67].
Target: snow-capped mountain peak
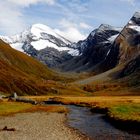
[42,39]
[134,22]
[105,27]
[39,36]
[39,29]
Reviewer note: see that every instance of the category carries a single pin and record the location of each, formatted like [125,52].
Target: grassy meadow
[118,107]
[11,108]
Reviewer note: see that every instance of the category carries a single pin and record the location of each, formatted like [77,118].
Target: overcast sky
[74,19]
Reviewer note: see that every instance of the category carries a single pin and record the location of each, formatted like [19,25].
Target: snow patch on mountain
[41,44]
[112,38]
[135,27]
[130,22]
[137,14]
[40,36]
[17,46]
[104,27]
[38,29]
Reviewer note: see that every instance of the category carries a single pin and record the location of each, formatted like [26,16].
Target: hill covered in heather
[23,74]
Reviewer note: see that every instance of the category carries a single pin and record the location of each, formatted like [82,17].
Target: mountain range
[43,43]
[108,53]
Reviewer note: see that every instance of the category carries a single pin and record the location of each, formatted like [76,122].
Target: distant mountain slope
[121,67]
[43,43]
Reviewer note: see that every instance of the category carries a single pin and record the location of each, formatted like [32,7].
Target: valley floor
[38,126]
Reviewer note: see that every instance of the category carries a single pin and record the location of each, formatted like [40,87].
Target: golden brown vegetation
[118,107]
[10,108]
[26,76]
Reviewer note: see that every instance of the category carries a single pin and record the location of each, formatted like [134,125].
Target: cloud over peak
[73,18]
[72,30]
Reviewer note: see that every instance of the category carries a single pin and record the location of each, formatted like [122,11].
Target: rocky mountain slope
[44,44]
[108,47]
[93,50]
[126,46]
[121,66]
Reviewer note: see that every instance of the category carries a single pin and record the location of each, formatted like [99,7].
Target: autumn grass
[118,107]
[26,76]
[58,109]
[10,108]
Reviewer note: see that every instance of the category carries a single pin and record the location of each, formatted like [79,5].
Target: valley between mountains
[101,72]
[108,59]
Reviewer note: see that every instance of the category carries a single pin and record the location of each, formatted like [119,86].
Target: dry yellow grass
[58,109]
[99,100]
[119,107]
[10,108]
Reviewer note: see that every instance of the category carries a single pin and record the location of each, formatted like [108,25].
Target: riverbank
[38,126]
[121,111]
[95,126]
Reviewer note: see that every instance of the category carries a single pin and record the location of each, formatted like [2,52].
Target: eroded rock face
[106,48]
[131,67]
[126,46]
[94,49]
[52,57]
[129,40]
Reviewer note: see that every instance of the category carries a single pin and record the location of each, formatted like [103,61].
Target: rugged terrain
[93,50]
[110,56]
[23,74]
[44,44]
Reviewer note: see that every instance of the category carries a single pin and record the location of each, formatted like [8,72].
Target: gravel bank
[38,126]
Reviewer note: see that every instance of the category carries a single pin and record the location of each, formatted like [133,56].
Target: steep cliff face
[129,40]
[94,49]
[126,47]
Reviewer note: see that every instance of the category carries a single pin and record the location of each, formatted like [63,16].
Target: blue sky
[65,16]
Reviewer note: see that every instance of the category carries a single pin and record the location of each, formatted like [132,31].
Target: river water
[94,126]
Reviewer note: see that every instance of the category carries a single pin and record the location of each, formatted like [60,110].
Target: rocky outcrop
[93,50]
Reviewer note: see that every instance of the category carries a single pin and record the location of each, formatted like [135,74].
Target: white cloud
[70,30]
[10,18]
[66,24]
[29,2]
[85,26]
[12,21]
[71,34]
